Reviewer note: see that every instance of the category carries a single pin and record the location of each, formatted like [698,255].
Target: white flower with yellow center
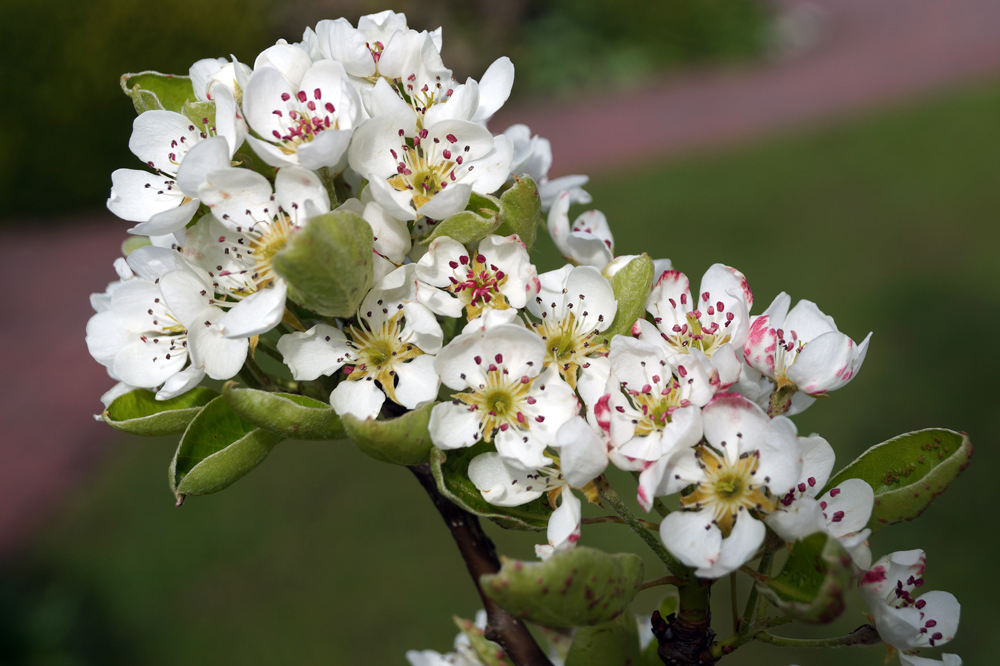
[715,321]
[359,49]
[506,395]
[181,152]
[430,171]
[387,353]
[252,224]
[308,123]
[574,307]
[657,408]
[747,459]
[497,276]
[582,457]
[904,621]
[588,242]
[801,348]
[842,512]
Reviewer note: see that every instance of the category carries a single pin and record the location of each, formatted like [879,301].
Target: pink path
[872,52]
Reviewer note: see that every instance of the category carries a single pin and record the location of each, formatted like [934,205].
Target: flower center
[304,117]
[656,402]
[706,329]
[568,343]
[478,284]
[728,489]
[787,351]
[380,347]
[501,400]
[426,167]
[255,248]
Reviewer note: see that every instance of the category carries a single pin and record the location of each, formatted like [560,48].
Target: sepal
[574,588]
[811,585]
[521,211]
[480,218]
[631,284]
[286,414]
[138,412]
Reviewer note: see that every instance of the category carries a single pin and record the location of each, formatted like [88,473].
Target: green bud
[328,264]
[217,449]
[614,643]
[152,90]
[138,412]
[287,414]
[522,211]
[479,219]
[202,114]
[631,279]
[578,587]
[403,440]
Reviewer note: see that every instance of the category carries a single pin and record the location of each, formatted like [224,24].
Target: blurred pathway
[867,52]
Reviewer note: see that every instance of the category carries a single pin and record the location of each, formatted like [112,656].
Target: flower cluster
[554,375]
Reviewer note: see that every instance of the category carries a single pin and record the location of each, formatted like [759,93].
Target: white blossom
[588,242]
[533,157]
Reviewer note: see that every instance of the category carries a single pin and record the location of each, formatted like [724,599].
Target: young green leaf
[138,412]
[402,441]
[451,471]
[908,472]
[521,211]
[328,264]
[812,583]
[578,587]
[152,90]
[631,284]
[614,643]
[217,449]
[289,415]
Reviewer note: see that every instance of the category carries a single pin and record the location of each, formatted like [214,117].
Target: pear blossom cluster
[556,373]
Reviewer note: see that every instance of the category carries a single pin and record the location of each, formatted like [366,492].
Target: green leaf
[152,90]
[451,471]
[908,472]
[328,264]
[403,440]
[631,284]
[489,653]
[289,415]
[521,212]
[139,412]
[480,218]
[812,583]
[217,449]
[614,643]
[578,587]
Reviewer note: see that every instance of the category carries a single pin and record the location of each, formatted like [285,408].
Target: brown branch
[481,558]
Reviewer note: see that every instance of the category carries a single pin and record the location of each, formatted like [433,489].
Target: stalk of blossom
[252,224]
[430,171]
[714,322]
[574,306]
[588,242]
[903,621]
[308,123]
[747,459]
[583,456]
[533,156]
[389,353]
[506,395]
[656,408]
[158,321]
[181,152]
[497,276]
[842,512]
[802,347]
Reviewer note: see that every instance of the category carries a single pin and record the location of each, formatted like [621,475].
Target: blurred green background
[322,556]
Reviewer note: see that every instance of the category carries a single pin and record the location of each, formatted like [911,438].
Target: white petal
[186,296]
[169,221]
[271,154]
[361,399]
[817,463]
[182,382]
[132,200]
[454,426]
[145,364]
[502,484]
[802,518]
[692,537]
[946,660]
[944,609]
[294,186]
[422,328]
[160,138]
[106,336]
[848,506]
[418,383]
[202,159]
[256,314]
[394,203]
[583,455]
[494,88]
[322,350]
[326,150]
[239,198]
[731,419]
[564,523]
[521,447]
[492,170]
[290,60]
[739,547]
[447,202]
[220,357]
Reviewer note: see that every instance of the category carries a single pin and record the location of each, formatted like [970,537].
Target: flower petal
[322,350]
[418,383]
[361,399]
[454,426]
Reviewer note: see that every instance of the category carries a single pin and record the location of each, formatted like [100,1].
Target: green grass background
[321,556]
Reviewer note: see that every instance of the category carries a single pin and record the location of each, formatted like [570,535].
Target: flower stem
[748,612]
[652,540]
[863,635]
[481,558]
[619,520]
[665,580]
